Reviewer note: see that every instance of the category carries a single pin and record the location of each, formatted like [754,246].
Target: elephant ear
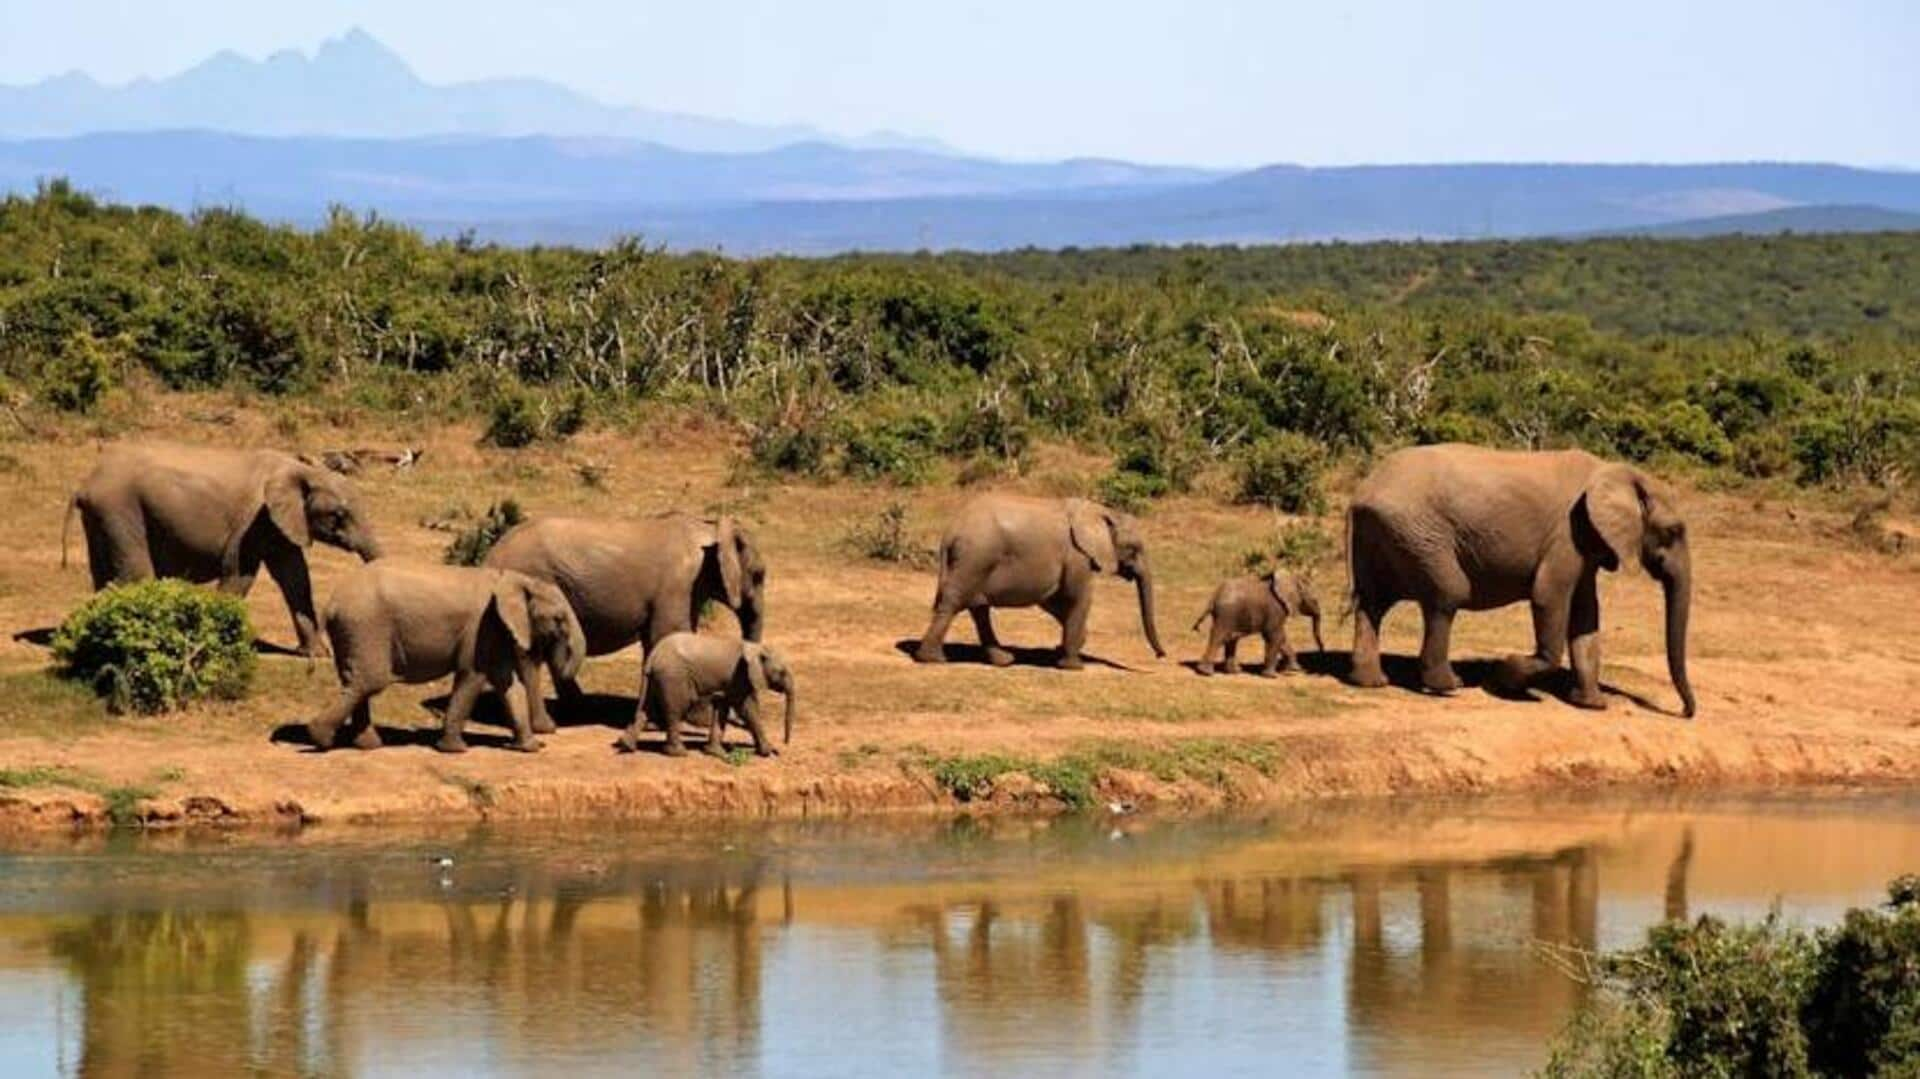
[284,496]
[1091,525]
[509,605]
[1282,592]
[726,552]
[1613,503]
[753,659]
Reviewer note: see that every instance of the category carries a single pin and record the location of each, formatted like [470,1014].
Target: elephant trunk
[1677,582]
[752,615]
[1143,584]
[366,547]
[786,723]
[1313,615]
[568,653]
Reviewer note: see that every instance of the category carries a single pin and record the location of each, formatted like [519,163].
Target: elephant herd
[1449,527]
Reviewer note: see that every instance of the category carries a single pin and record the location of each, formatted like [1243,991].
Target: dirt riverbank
[1806,658]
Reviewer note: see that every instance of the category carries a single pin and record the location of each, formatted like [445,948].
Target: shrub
[512,421]
[1714,999]
[1299,546]
[80,375]
[470,545]
[794,448]
[1283,471]
[900,451]
[886,539]
[1131,492]
[152,646]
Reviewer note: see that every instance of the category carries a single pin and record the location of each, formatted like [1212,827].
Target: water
[1354,939]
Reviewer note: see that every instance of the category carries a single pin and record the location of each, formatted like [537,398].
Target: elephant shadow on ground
[1046,658]
[611,710]
[295,734]
[1489,675]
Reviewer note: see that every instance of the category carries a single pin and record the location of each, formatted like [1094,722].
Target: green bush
[1131,492]
[470,545]
[1283,471]
[80,375]
[1713,999]
[886,538]
[900,451]
[799,449]
[513,421]
[155,645]
[1298,546]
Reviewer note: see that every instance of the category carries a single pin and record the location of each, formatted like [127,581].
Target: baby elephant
[396,622]
[1243,605]
[690,672]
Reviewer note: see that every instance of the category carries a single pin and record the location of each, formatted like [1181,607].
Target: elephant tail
[1204,615]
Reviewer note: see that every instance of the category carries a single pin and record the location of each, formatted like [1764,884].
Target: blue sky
[1218,82]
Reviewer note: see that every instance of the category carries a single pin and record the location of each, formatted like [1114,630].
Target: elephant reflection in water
[167,993]
[1009,976]
[677,957]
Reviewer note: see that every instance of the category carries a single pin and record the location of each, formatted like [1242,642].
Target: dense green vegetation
[155,645]
[1713,999]
[1769,357]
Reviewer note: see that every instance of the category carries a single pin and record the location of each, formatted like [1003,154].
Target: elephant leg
[529,674]
[322,728]
[648,707]
[116,550]
[1436,673]
[933,643]
[1216,641]
[289,571]
[1368,615]
[750,712]
[675,704]
[513,696]
[1072,614]
[364,734]
[467,687]
[1583,628]
[983,626]
[1230,661]
[717,729]
[1549,643]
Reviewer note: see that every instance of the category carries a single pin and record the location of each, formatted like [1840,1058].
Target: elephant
[1456,527]
[1007,550]
[393,621]
[1243,605]
[217,515]
[686,672]
[639,580]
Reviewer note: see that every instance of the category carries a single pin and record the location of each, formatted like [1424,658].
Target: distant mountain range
[522,161]
[353,86]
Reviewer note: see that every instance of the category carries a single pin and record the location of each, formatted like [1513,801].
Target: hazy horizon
[1217,84]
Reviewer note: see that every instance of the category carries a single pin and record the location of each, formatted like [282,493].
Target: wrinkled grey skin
[1458,527]
[1013,551]
[217,515]
[639,580]
[1243,605]
[691,672]
[404,622]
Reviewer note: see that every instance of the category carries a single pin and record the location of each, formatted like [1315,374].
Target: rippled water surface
[1353,939]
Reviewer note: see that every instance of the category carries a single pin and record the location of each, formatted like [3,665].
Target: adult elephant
[639,580]
[1012,551]
[217,515]
[1456,527]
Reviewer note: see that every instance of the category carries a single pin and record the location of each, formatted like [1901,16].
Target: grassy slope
[1803,652]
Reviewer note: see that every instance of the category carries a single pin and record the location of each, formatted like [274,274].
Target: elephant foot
[451,744]
[367,738]
[1203,667]
[1072,663]
[531,745]
[544,725]
[1591,700]
[929,654]
[629,741]
[715,748]
[999,657]
[675,749]
[766,751]
[1369,677]
[1230,669]
[1517,671]
[1263,673]
[321,736]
